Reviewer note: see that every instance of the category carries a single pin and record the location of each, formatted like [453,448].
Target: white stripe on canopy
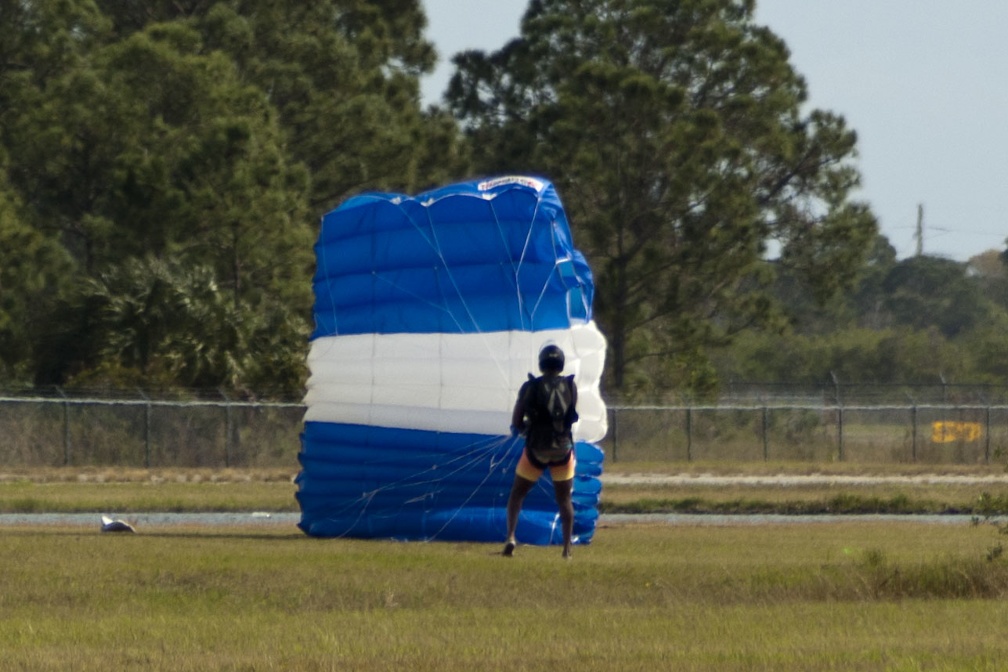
[461,383]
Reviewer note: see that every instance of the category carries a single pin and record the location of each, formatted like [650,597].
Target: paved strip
[146,522]
[751,519]
[142,521]
[804,479]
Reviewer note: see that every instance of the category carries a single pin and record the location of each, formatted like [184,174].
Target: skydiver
[544,413]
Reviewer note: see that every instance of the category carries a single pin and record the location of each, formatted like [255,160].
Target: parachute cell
[429,312]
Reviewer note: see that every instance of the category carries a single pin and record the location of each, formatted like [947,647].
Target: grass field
[835,596]
[840,596]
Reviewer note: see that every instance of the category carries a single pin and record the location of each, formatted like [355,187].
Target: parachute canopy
[430,311]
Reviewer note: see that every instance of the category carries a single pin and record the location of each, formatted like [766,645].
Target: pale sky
[923,82]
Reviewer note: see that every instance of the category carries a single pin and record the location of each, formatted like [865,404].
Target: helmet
[551,358]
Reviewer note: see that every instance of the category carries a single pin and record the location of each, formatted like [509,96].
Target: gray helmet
[551,358]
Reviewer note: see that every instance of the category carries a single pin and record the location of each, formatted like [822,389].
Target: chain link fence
[837,392]
[37,431]
[938,434]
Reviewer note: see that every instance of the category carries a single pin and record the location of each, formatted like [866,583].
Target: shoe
[508,549]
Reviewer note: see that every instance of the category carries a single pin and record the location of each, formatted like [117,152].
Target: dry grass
[113,474]
[142,490]
[826,498]
[845,495]
[199,490]
[772,467]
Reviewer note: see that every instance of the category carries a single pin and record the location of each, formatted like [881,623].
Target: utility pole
[920,229]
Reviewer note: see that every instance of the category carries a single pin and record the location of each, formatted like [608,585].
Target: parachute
[430,311]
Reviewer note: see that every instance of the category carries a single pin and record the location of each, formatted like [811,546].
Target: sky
[924,83]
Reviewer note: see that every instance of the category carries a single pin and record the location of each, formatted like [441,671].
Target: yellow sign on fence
[950,431]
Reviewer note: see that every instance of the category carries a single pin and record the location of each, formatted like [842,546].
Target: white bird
[111,525]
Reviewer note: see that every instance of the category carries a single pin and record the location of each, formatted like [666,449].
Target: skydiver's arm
[574,397]
[518,413]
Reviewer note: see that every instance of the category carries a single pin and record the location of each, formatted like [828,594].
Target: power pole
[920,229]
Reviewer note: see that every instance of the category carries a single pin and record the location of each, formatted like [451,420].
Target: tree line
[163,167]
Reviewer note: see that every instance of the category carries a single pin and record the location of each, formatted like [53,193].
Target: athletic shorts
[532,472]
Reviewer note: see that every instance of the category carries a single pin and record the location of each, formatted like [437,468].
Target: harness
[549,405]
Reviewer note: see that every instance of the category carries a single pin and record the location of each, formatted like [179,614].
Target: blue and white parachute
[430,312]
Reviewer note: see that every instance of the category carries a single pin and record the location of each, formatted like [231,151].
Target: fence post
[839,424]
[147,428]
[839,434]
[913,433]
[228,428]
[614,424]
[689,433]
[987,436]
[766,447]
[66,427]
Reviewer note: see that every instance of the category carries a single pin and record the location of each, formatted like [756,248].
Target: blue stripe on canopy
[462,259]
[364,481]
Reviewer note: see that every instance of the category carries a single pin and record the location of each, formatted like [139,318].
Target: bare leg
[563,490]
[519,489]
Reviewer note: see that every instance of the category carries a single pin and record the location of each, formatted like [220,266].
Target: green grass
[843,596]
[839,596]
